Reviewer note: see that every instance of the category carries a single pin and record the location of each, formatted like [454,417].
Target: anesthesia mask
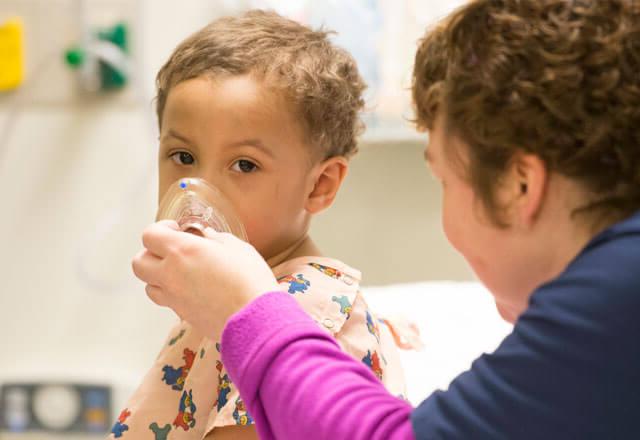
[196,205]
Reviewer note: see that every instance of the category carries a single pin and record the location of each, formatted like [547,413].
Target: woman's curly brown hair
[319,79]
[556,78]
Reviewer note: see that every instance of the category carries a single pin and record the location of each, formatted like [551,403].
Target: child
[266,110]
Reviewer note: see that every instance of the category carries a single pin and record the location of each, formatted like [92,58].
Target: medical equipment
[12,58]
[102,60]
[197,205]
[54,410]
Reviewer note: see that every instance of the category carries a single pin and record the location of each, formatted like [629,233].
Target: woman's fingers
[171,224]
[146,267]
[159,237]
[204,280]
[220,237]
[156,295]
[211,233]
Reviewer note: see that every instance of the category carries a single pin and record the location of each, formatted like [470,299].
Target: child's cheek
[267,232]
[256,233]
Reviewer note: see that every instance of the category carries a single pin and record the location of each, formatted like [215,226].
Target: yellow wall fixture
[11,54]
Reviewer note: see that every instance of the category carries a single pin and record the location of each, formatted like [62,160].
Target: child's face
[244,139]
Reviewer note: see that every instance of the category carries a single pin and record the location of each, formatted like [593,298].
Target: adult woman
[532,108]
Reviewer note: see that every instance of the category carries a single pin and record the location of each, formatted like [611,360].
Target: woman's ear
[528,182]
[329,177]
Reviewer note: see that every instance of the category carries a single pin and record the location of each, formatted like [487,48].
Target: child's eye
[244,166]
[182,158]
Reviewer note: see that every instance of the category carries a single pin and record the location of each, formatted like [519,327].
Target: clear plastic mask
[196,205]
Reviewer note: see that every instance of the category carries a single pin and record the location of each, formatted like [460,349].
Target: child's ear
[329,176]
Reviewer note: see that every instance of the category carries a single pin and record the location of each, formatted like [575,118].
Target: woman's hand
[204,280]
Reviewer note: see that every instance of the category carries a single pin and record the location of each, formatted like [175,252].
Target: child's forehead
[252,108]
[239,96]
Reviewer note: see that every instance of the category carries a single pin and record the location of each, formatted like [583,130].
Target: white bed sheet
[457,321]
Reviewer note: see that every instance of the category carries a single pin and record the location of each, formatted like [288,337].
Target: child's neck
[302,248]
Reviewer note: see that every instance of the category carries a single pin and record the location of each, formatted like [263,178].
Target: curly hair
[320,80]
[430,71]
[556,78]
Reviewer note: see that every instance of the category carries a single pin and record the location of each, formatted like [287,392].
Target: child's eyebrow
[178,136]
[257,143]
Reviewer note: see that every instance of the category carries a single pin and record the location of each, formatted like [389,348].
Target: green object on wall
[111,77]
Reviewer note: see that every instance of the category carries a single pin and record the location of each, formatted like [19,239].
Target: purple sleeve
[297,383]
